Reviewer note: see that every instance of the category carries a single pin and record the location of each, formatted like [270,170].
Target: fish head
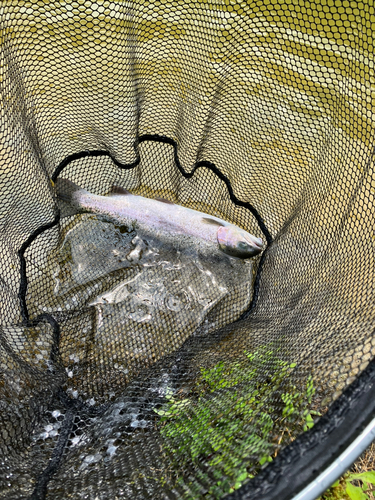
[238,243]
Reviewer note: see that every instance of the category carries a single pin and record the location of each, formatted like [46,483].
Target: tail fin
[68,197]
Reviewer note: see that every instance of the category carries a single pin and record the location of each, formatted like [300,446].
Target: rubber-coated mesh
[256,112]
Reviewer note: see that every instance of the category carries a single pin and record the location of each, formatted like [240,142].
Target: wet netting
[134,370]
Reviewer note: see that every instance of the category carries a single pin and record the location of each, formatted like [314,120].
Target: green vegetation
[239,413]
[344,489]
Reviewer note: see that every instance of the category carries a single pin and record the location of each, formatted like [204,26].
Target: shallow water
[125,300]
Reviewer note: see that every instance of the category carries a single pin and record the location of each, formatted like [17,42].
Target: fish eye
[243,245]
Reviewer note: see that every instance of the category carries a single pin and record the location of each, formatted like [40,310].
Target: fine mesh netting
[133,371]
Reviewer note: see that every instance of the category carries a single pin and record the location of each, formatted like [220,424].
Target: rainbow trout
[160,218]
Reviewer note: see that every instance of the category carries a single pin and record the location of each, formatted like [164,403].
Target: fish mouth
[256,243]
[239,243]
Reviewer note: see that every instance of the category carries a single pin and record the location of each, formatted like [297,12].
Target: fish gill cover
[134,371]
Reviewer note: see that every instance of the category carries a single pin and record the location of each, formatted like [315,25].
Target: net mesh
[256,112]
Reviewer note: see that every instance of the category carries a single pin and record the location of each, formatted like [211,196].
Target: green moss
[235,420]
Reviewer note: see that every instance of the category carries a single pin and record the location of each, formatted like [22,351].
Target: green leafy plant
[239,412]
[344,489]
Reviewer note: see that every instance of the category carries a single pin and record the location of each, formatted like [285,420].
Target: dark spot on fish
[118,190]
[214,222]
[163,200]
[123,229]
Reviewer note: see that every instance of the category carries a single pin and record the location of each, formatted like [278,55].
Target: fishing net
[117,379]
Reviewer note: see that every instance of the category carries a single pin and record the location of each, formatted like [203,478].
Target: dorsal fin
[214,222]
[116,190]
[163,200]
